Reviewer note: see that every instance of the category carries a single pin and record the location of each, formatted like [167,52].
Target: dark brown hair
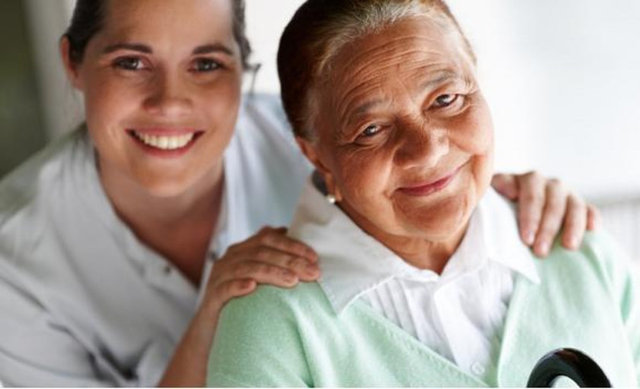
[320,28]
[88,18]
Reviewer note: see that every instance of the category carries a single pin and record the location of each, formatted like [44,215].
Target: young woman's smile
[162,95]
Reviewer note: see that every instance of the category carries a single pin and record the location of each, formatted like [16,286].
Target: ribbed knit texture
[587,300]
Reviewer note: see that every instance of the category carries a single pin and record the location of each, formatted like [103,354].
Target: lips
[163,140]
[429,187]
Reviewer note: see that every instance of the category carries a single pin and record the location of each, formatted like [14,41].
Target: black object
[569,363]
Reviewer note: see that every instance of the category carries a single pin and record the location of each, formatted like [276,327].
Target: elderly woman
[424,280]
[108,237]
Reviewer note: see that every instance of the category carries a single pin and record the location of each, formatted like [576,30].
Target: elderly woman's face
[404,136]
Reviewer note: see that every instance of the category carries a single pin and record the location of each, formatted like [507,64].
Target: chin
[165,187]
[444,220]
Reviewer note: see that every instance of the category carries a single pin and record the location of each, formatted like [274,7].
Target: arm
[258,353]
[624,276]
[545,207]
[36,350]
[631,314]
[266,258]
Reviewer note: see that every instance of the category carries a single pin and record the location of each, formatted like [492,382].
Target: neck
[418,251]
[137,206]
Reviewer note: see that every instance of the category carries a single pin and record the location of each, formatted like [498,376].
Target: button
[167,270]
[477,369]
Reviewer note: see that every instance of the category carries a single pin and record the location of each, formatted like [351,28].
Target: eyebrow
[440,78]
[127,46]
[140,47]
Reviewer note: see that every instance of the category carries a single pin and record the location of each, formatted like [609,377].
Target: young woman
[107,237]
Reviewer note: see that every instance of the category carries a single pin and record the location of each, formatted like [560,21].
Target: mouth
[425,189]
[167,141]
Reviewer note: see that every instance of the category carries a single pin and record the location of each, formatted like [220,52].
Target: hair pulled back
[88,19]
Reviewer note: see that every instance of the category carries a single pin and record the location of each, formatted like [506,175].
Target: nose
[422,145]
[168,97]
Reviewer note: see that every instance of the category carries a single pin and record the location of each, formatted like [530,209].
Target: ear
[310,151]
[70,68]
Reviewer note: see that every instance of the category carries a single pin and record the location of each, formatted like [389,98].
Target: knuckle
[594,211]
[261,255]
[264,269]
[265,230]
[577,202]
[240,270]
[532,176]
[554,182]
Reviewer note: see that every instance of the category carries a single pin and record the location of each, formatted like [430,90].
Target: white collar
[352,262]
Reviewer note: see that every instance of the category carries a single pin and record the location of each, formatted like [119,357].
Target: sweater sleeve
[257,343]
[624,278]
[629,298]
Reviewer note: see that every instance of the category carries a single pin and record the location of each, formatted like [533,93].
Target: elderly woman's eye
[206,65]
[370,131]
[128,63]
[445,100]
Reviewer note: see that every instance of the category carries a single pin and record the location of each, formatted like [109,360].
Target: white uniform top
[82,301]
[458,314]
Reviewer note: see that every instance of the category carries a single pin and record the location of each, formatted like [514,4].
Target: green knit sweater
[588,299]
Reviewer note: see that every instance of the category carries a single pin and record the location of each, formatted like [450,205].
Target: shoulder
[269,301]
[272,311]
[259,337]
[265,163]
[33,192]
[600,263]
[41,171]
[262,116]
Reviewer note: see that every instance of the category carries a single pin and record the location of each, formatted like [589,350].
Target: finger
[531,202]
[278,240]
[554,211]
[264,273]
[594,218]
[575,223]
[233,288]
[305,270]
[506,185]
[302,267]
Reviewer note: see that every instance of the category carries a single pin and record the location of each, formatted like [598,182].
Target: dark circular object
[569,363]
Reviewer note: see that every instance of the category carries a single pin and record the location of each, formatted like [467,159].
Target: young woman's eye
[206,65]
[445,100]
[129,63]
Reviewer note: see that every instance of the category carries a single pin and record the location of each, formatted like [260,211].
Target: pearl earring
[331,198]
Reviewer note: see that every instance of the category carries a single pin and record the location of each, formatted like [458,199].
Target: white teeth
[165,142]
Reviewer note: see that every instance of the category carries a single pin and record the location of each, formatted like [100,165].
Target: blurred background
[562,79]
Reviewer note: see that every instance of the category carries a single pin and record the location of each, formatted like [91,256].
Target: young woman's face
[161,82]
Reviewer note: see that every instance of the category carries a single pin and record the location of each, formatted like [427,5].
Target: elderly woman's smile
[409,153]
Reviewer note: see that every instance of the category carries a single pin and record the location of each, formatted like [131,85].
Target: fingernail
[574,243]
[311,269]
[529,237]
[543,248]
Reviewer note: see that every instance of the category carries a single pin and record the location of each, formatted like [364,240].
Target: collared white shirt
[82,301]
[459,313]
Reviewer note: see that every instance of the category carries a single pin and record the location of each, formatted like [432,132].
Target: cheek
[363,178]
[477,140]
[108,101]
[220,101]
[473,132]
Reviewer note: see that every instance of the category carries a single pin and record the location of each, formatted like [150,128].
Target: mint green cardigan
[588,299]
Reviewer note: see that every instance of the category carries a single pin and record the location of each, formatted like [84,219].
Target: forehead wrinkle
[438,74]
[409,55]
